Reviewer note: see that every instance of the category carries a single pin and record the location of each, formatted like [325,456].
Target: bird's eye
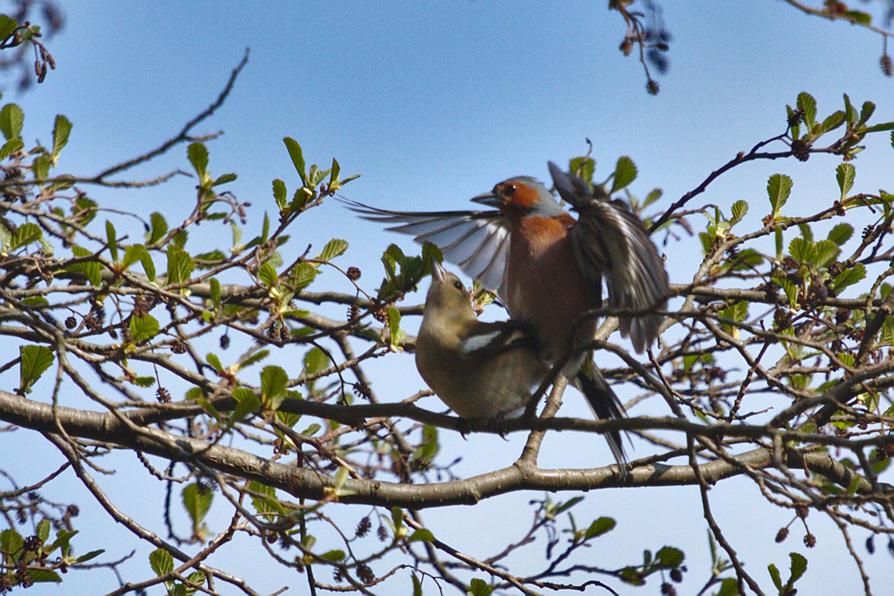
[509,189]
[459,285]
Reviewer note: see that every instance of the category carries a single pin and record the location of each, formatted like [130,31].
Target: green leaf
[297,158]
[333,248]
[158,229]
[841,233]
[268,276]
[61,130]
[88,556]
[833,121]
[849,277]
[779,187]
[866,112]
[224,179]
[246,403]
[215,292]
[180,265]
[583,167]
[824,252]
[625,173]
[24,235]
[669,556]
[40,167]
[197,499]
[142,328]
[11,542]
[254,358]
[89,269]
[801,250]
[12,118]
[212,359]
[11,146]
[798,567]
[729,587]
[112,240]
[302,276]
[35,360]
[395,335]
[599,527]
[43,529]
[807,104]
[739,209]
[274,382]
[417,585]
[161,561]
[334,171]
[44,576]
[421,535]
[279,194]
[845,174]
[775,576]
[479,587]
[334,555]
[7,26]
[315,360]
[198,157]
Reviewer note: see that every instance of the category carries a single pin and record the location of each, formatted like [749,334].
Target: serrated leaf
[89,269]
[158,228]
[625,173]
[34,361]
[43,529]
[849,277]
[197,154]
[600,526]
[41,576]
[267,274]
[180,265]
[11,542]
[142,328]
[279,194]
[801,250]
[214,286]
[302,276]
[334,248]
[297,155]
[798,567]
[197,500]
[274,382]
[866,112]
[254,358]
[833,121]
[775,576]
[779,187]
[24,235]
[12,118]
[246,403]
[224,179]
[61,130]
[161,561]
[11,146]
[845,174]
[583,167]
[395,335]
[824,252]
[669,556]
[807,104]
[841,233]
[738,210]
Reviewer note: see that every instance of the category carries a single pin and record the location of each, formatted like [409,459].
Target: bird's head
[448,296]
[520,195]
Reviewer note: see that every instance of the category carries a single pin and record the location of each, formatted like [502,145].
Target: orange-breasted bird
[548,267]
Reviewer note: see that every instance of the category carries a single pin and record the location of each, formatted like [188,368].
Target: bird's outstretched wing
[476,241]
[611,242]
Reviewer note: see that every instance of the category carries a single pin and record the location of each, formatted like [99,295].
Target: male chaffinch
[548,267]
[481,370]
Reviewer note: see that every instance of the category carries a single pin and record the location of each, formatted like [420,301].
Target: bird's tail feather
[604,403]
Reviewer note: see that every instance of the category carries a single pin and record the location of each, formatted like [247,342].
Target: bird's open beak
[437,273]
[489,199]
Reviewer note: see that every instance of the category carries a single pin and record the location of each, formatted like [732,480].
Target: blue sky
[434,102]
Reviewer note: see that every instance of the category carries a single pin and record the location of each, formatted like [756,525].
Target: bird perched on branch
[548,267]
[481,370]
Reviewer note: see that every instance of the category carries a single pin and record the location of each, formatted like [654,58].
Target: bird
[548,267]
[481,370]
